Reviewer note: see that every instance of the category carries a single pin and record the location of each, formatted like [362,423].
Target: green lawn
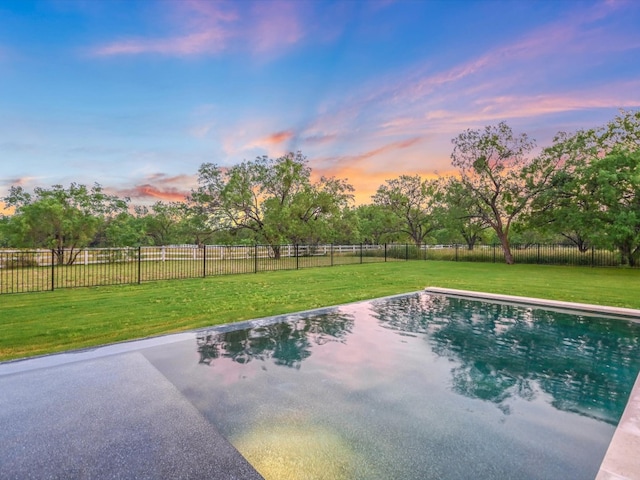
[39,323]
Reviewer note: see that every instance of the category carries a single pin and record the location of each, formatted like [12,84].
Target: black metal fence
[40,270]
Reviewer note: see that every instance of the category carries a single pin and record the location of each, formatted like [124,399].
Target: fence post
[360,252]
[593,255]
[332,254]
[139,264]
[406,252]
[494,253]
[538,261]
[456,252]
[204,261]
[297,258]
[255,258]
[385,251]
[53,270]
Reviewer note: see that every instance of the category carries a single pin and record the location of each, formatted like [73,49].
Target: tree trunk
[471,241]
[506,248]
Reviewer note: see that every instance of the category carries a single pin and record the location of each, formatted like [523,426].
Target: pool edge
[621,460]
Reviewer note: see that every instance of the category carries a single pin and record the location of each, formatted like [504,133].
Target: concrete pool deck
[622,460]
[108,412]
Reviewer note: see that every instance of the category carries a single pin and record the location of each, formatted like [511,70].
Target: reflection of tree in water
[587,365]
[286,343]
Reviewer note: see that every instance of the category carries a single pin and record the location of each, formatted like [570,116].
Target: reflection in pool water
[587,365]
[407,387]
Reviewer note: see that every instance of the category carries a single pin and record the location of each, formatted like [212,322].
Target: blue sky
[135,95]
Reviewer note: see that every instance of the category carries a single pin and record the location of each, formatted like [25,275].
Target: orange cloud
[149,191]
[277,138]
[160,186]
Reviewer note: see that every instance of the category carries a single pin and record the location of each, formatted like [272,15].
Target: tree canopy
[409,202]
[63,219]
[583,189]
[499,178]
[274,199]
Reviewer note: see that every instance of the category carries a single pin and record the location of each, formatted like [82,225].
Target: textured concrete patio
[106,414]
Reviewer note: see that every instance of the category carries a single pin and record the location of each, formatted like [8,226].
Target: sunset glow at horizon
[135,95]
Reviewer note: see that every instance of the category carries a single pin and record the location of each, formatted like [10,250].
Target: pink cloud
[160,186]
[207,27]
[211,41]
[148,191]
[276,24]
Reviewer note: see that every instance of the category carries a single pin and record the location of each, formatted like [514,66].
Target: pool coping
[621,461]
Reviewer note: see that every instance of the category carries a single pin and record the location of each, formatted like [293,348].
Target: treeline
[584,189]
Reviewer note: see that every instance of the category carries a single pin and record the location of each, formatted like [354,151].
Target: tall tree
[615,183]
[63,219]
[272,198]
[501,181]
[410,200]
[596,179]
[458,214]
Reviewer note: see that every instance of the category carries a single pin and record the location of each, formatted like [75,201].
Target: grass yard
[40,323]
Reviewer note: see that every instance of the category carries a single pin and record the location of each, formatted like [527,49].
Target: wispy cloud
[202,27]
[376,152]
[277,138]
[148,191]
[511,81]
[159,187]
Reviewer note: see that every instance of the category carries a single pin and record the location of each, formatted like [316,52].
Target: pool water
[419,386]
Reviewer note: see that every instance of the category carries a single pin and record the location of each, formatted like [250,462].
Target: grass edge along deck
[621,461]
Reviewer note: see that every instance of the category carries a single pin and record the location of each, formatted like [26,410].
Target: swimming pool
[416,386]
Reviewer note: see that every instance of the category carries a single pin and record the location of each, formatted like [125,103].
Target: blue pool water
[420,386]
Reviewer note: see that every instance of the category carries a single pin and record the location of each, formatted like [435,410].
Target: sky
[137,94]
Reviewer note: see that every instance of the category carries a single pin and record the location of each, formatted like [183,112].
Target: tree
[121,230]
[4,228]
[63,219]
[591,201]
[458,214]
[616,182]
[410,201]
[272,198]
[195,225]
[500,180]
[376,224]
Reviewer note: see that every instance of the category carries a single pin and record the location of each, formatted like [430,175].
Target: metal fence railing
[540,254]
[23,270]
